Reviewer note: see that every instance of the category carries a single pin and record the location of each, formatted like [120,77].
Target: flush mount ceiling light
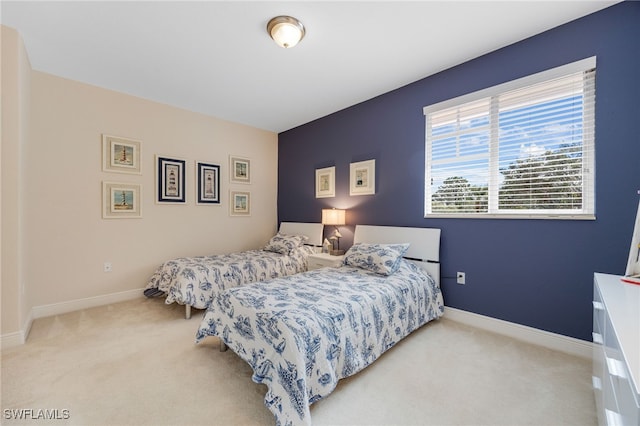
[286,31]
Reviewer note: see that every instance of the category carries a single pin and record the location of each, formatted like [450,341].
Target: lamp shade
[333,216]
[286,31]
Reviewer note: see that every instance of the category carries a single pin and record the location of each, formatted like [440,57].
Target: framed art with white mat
[632,274]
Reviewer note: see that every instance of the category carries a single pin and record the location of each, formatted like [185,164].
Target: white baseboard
[17,338]
[20,337]
[528,334]
[89,302]
[10,340]
[532,335]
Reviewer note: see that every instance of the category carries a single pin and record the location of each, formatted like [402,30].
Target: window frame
[588,150]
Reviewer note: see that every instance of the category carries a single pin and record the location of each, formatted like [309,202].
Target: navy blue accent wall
[538,273]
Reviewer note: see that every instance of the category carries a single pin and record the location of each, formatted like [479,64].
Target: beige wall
[16,73]
[65,240]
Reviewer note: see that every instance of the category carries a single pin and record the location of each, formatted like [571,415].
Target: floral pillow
[284,244]
[383,259]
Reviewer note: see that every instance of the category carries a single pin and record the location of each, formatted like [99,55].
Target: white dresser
[616,350]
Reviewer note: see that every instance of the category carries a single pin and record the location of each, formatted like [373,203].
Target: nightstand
[321,260]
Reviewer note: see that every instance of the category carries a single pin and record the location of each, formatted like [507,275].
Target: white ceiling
[215,57]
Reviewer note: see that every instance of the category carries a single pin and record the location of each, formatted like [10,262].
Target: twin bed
[302,333]
[194,281]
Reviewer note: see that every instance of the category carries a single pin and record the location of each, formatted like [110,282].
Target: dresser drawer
[611,344]
[625,396]
[598,312]
[598,374]
[620,397]
[610,402]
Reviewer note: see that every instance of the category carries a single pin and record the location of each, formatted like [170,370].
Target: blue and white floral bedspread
[303,333]
[194,281]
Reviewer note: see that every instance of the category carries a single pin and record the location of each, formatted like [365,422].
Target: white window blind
[524,149]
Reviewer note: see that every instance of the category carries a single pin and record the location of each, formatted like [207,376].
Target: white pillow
[383,259]
[284,244]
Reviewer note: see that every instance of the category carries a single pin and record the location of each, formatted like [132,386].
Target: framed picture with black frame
[208,183]
[170,173]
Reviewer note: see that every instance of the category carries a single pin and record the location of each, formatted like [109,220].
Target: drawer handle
[597,338]
[616,368]
[598,306]
[613,418]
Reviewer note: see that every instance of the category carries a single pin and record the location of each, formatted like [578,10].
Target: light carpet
[136,363]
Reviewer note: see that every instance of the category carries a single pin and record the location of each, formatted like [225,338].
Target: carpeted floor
[136,363]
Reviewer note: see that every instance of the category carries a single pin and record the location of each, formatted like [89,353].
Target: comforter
[302,333]
[194,281]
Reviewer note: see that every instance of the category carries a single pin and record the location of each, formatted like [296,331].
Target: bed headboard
[313,231]
[424,246]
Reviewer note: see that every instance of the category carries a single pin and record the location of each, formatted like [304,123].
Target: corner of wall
[19,337]
[16,83]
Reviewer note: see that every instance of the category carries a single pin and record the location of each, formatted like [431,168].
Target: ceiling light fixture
[286,31]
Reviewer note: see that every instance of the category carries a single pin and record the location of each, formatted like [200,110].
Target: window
[523,149]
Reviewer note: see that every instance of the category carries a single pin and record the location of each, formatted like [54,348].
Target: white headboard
[313,231]
[424,243]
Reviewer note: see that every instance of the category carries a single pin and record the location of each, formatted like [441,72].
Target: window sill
[509,216]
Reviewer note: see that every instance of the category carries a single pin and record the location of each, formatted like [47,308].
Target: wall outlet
[460,277]
[108,267]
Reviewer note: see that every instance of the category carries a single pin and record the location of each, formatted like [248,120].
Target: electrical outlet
[108,267]
[460,276]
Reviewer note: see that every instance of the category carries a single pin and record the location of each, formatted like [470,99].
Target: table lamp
[334,217]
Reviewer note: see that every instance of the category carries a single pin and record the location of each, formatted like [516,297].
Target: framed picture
[632,273]
[240,169]
[362,178]
[170,173]
[120,155]
[121,200]
[208,183]
[240,203]
[326,182]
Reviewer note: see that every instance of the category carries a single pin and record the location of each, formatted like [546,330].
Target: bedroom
[533,273]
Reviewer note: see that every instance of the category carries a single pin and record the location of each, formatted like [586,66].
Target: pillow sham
[383,259]
[284,244]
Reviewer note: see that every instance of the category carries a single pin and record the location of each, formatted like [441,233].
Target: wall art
[240,202]
[240,169]
[121,200]
[326,182]
[120,155]
[208,183]
[362,178]
[170,174]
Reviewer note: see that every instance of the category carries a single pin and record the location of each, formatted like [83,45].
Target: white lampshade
[286,31]
[333,216]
